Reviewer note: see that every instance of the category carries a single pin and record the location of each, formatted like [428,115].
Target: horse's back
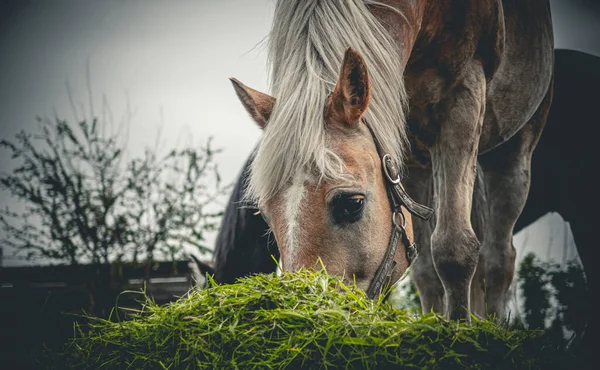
[243,246]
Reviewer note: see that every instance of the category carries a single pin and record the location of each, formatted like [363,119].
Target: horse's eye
[347,208]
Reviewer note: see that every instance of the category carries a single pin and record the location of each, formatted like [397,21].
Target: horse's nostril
[360,275]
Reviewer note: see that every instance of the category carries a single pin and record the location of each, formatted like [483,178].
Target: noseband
[398,199]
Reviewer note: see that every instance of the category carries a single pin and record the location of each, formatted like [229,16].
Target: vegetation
[84,202]
[555,297]
[299,320]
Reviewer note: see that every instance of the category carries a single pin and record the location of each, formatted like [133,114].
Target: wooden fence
[39,305]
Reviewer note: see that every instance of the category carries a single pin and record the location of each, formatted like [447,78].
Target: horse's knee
[499,271]
[455,255]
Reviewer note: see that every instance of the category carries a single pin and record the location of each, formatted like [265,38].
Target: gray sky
[169,59]
[174,58]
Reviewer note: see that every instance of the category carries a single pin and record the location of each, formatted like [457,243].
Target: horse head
[345,219]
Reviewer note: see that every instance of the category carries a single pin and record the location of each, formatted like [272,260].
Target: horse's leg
[423,274]
[507,172]
[478,221]
[454,245]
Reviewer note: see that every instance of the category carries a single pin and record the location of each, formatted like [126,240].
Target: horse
[243,245]
[339,131]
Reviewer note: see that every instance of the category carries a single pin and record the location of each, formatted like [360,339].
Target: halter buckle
[412,253]
[394,221]
[384,161]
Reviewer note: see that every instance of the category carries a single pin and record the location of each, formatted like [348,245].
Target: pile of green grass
[300,320]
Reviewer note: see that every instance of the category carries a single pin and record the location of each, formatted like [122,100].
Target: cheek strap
[398,199]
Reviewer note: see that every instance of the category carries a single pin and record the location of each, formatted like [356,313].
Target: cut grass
[300,320]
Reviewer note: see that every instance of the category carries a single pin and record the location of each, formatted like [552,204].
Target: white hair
[307,42]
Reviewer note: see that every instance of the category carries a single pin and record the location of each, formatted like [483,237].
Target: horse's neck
[423,22]
[403,25]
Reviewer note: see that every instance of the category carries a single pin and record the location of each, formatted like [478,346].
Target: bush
[84,201]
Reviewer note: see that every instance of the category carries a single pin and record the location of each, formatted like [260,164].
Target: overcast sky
[170,59]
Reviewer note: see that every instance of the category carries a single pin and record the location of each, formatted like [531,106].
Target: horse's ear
[350,99]
[258,104]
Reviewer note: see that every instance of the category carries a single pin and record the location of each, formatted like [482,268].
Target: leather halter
[398,198]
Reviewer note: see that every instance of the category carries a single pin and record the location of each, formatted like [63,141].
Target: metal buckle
[401,227]
[412,253]
[384,161]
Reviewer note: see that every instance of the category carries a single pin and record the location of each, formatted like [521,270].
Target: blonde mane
[306,46]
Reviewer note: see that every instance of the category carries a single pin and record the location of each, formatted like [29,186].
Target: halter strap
[398,198]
